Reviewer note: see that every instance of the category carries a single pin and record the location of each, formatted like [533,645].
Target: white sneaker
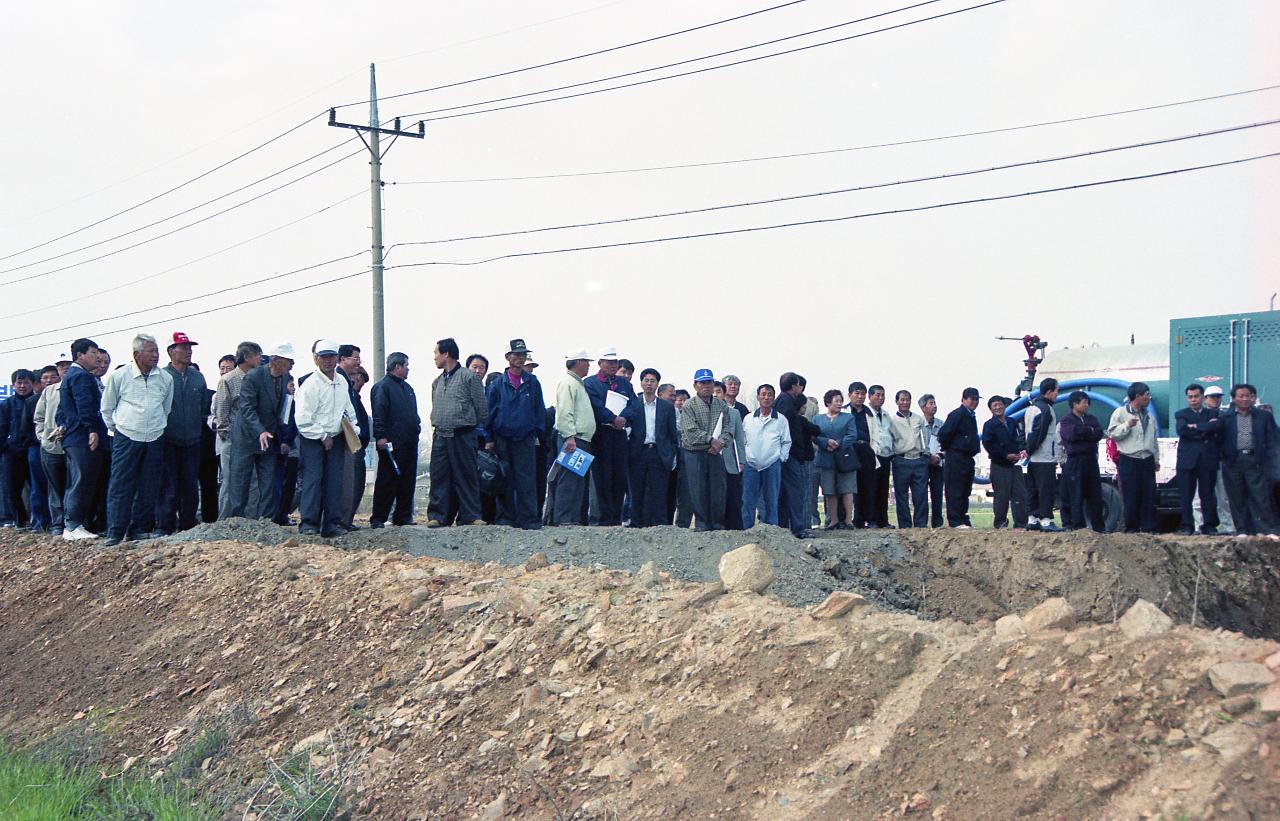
[963,527]
[79,534]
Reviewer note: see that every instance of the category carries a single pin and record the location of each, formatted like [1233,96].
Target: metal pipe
[1245,353]
[1231,366]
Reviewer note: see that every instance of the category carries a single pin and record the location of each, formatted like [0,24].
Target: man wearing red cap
[180,471]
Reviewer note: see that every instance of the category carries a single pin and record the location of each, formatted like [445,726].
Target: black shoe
[332,533]
[533,526]
[1053,528]
[111,541]
[308,530]
[352,528]
[1033,525]
[1186,531]
[376,525]
[1209,531]
[802,534]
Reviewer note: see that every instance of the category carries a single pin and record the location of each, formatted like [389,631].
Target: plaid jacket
[698,423]
[457,401]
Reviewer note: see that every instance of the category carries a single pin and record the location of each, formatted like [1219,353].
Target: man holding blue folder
[575,427]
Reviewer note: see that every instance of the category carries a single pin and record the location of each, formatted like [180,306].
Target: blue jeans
[760,491]
[799,497]
[135,483]
[39,489]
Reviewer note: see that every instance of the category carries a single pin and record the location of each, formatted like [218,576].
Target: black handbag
[847,461]
[492,477]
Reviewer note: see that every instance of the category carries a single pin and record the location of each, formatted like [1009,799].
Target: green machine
[1224,350]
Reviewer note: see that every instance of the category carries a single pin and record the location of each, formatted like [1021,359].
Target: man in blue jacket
[1005,444]
[83,437]
[1082,484]
[180,472]
[15,442]
[959,439]
[609,470]
[1249,436]
[517,413]
[652,456]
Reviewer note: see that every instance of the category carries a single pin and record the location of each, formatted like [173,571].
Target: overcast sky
[110,104]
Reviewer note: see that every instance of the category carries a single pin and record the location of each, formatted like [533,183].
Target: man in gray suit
[254,425]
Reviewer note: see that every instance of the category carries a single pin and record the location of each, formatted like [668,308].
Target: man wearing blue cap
[704,433]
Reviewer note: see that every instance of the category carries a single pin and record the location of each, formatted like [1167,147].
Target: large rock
[1144,621]
[746,568]
[837,604]
[647,576]
[1010,628]
[1231,678]
[1050,614]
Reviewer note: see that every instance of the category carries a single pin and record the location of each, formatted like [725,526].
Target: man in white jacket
[767,439]
[320,404]
[1134,430]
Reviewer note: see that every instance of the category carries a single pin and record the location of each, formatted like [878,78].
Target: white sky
[109,104]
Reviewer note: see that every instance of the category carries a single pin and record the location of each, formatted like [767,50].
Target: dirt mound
[422,688]
[1225,582]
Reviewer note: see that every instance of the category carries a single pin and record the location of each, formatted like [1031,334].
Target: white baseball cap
[284,350]
[608,353]
[1213,390]
[580,353]
[326,347]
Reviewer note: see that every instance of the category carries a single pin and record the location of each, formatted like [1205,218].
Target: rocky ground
[456,674]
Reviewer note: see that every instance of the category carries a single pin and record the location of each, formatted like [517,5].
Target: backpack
[492,477]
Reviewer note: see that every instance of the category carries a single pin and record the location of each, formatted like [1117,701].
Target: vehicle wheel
[1112,508]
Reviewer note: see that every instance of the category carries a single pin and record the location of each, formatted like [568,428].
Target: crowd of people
[143,450]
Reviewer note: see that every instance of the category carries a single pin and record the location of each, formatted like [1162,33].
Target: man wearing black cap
[1006,445]
[960,443]
[180,466]
[517,413]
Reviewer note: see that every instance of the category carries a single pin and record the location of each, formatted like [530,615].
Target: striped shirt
[225,400]
[698,423]
[457,401]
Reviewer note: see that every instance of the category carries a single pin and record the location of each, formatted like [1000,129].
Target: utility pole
[374,129]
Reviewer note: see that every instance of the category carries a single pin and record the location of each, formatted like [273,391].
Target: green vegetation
[44,786]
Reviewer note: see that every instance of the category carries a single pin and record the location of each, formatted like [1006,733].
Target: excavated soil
[429,688]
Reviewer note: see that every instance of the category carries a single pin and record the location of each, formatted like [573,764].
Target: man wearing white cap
[255,423]
[322,402]
[609,470]
[575,427]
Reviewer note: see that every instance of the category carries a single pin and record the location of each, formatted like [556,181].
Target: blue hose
[1018,407]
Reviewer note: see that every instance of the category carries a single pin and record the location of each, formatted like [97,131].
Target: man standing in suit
[653,443]
[1198,431]
[879,426]
[1248,437]
[396,428]
[255,423]
[960,443]
[609,470]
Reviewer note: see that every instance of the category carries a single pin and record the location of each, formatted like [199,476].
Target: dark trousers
[936,493]
[567,492]
[958,480]
[6,509]
[1042,488]
[135,483]
[1138,490]
[880,498]
[392,490]
[540,477]
[733,500]
[455,483]
[83,467]
[55,470]
[1010,488]
[706,478]
[16,472]
[793,498]
[353,486]
[911,476]
[98,512]
[322,474]
[1249,490]
[518,506]
[1083,487]
[648,488]
[286,489]
[208,477]
[609,474]
[1203,477]
[39,489]
[179,480]
[253,475]
[864,499]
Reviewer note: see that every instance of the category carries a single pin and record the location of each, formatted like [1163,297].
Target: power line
[184,300]
[697,59]
[184,227]
[845,218]
[117,287]
[848,190]
[656,240]
[582,56]
[241,303]
[822,152]
[166,192]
